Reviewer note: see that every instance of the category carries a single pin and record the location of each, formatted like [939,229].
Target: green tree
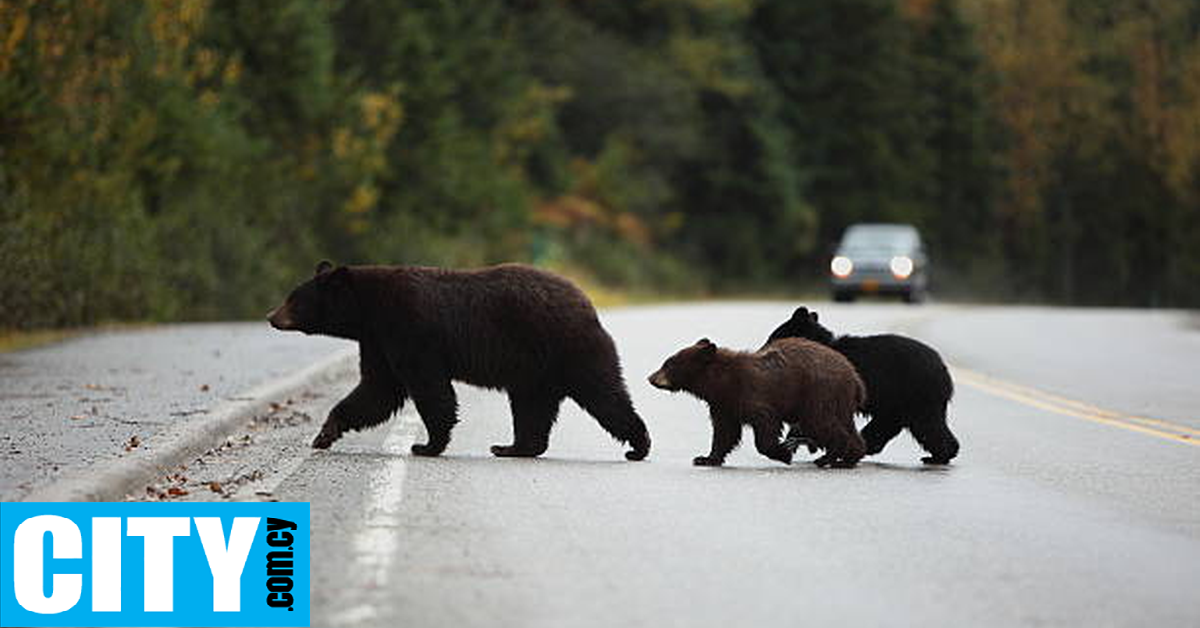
[964,137]
[453,192]
[845,71]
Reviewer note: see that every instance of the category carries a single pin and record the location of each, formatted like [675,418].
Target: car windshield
[889,237]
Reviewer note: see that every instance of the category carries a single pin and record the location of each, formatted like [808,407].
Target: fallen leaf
[214,487]
[176,491]
[78,417]
[203,387]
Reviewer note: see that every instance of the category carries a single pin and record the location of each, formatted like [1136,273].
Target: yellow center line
[1078,405]
[1078,409]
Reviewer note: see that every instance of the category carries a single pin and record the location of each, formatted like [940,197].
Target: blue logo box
[154,564]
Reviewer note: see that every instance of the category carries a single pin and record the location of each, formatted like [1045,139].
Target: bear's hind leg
[852,448]
[795,438]
[879,431]
[935,437]
[829,460]
[766,441]
[534,413]
[604,396]
[845,447]
[727,433]
[438,406]
[845,459]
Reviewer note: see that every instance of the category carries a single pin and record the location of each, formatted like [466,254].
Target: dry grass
[605,296]
[11,340]
[19,340]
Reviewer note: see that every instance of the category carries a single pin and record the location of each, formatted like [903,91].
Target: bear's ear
[337,276]
[323,266]
[812,317]
[704,342]
[800,314]
[706,346]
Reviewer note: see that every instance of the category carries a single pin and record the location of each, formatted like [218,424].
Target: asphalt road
[67,406]
[1073,502]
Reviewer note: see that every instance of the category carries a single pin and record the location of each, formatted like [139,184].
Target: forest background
[193,159]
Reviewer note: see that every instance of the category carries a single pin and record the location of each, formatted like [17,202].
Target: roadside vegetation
[192,159]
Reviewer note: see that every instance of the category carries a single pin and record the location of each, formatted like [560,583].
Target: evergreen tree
[845,71]
[964,137]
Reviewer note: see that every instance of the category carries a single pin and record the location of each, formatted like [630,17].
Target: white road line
[269,486]
[375,544]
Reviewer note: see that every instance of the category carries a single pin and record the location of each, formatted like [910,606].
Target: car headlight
[902,266]
[841,266]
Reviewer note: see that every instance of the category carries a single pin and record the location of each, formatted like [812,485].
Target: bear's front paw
[783,455]
[419,449]
[513,451]
[934,460]
[326,438]
[707,461]
[793,443]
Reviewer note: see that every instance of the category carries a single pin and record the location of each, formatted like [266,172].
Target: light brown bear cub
[791,381]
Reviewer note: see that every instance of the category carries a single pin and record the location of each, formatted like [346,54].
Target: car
[879,258]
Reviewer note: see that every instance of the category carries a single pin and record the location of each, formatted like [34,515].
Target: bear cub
[908,385]
[791,381]
[511,327]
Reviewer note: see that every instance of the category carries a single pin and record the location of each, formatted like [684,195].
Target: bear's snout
[658,379]
[280,318]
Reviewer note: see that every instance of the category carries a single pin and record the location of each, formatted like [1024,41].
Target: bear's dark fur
[791,381]
[908,385]
[509,327]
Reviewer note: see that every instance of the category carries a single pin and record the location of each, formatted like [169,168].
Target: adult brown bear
[509,327]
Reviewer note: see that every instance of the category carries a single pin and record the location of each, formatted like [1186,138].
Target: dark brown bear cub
[908,385]
[792,381]
[509,327]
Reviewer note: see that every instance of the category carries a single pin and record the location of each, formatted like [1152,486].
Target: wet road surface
[1073,501]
